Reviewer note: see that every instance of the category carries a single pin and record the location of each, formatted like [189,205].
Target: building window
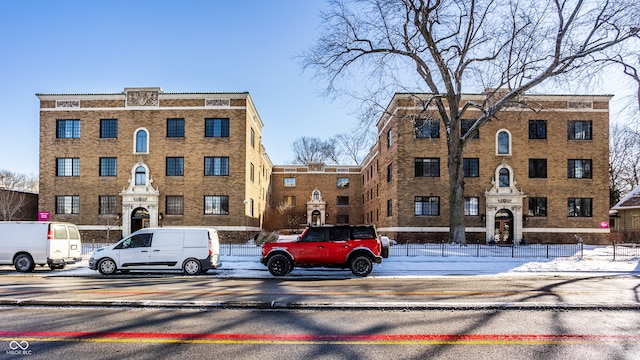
[107,204]
[503,142]
[471,167]
[471,206]
[538,168]
[216,166]
[252,138]
[68,129]
[216,205]
[142,141]
[427,167]
[579,168]
[108,128]
[175,166]
[342,182]
[343,219]
[289,182]
[108,166]
[251,207]
[579,130]
[427,129]
[251,172]
[216,127]
[503,178]
[389,173]
[537,129]
[538,206]
[427,206]
[68,167]
[175,128]
[466,125]
[175,205]
[68,204]
[389,208]
[289,200]
[389,138]
[141,175]
[342,201]
[579,207]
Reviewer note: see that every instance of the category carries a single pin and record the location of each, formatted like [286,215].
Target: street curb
[275,305]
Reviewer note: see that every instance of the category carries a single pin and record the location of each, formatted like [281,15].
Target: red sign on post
[43,215]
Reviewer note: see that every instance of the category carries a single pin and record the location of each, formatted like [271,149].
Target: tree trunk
[456,191]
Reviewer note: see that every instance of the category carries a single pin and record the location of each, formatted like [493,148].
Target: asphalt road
[166,315]
[151,333]
[174,290]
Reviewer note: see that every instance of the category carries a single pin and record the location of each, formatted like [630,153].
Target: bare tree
[12,196]
[624,161]
[354,144]
[288,211]
[446,48]
[309,150]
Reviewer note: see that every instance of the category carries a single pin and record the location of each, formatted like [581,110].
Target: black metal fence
[575,251]
[483,250]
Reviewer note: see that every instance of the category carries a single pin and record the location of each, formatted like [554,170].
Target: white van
[192,250]
[27,243]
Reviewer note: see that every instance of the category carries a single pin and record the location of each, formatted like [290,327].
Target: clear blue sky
[90,46]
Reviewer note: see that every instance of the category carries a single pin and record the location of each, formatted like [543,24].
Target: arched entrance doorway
[315,218]
[139,219]
[504,227]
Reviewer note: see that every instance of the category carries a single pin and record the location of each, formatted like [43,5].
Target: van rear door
[75,243]
[58,237]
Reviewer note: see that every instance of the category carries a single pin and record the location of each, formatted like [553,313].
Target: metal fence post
[614,251]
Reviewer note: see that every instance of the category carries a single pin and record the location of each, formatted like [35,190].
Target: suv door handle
[156,250]
[320,247]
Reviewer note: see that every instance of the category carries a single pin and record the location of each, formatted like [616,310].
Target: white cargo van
[27,243]
[192,250]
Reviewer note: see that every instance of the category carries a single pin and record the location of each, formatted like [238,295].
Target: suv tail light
[210,247]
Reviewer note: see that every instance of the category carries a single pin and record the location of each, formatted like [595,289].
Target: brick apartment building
[538,172]
[145,157]
[317,194]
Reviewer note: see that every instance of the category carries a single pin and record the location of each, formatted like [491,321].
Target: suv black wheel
[279,265]
[361,265]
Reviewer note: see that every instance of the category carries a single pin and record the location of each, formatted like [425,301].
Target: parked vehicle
[192,250]
[24,244]
[343,246]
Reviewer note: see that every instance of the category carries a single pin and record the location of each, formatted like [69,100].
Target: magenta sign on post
[43,215]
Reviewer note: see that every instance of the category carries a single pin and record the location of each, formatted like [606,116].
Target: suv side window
[364,232]
[339,233]
[315,235]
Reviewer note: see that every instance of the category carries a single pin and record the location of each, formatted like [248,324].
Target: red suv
[344,246]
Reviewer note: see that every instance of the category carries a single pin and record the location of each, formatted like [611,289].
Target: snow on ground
[596,261]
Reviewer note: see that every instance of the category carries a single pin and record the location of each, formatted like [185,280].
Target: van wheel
[24,263]
[279,265]
[107,267]
[361,265]
[191,267]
